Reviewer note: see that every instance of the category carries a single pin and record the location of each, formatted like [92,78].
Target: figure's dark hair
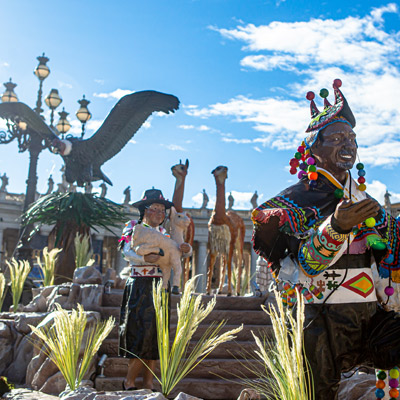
[141,214]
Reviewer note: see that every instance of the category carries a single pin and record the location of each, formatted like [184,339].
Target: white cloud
[5,64]
[91,127]
[193,127]
[64,85]
[352,41]
[377,190]
[147,123]
[242,200]
[256,148]
[94,124]
[314,52]
[197,200]
[116,94]
[132,141]
[99,81]
[173,147]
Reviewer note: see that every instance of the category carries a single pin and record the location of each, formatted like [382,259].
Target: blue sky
[241,70]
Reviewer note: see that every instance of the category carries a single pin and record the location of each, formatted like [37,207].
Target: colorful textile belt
[146,271]
[358,286]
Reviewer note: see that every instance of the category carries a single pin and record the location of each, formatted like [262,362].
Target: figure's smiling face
[336,148]
[154,214]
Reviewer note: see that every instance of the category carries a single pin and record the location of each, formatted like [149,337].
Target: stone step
[109,347]
[243,335]
[230,350]
[238,317]
[208,389]
[253,317]
[107,312]
[209,368]
[114,299]
[110,344]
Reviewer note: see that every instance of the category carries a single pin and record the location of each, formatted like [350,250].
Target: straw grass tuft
[63,341]
[49,264]
[83,252]
[175,360]
[285,372]
[3,289]
[19,271]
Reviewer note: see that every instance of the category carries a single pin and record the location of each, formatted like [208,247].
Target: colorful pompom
[310,96]
[370,222]
[338,193]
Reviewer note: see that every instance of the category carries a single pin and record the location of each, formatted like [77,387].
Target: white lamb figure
[147,240]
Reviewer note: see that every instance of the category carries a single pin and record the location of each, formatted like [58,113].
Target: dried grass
[48,266]
[176,361]
[285,374]
[83,252]
[19,271]
[63,341]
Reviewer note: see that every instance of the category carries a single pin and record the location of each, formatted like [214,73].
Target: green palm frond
[84,209]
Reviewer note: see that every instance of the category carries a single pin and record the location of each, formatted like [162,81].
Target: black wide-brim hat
[152,196]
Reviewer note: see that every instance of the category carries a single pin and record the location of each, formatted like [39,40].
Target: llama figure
[225,236]
[179,171]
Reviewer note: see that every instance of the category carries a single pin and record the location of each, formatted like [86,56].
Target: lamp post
[42,71]
[53,100]
[83,114]
[9,95]
[63,124]
[30,140]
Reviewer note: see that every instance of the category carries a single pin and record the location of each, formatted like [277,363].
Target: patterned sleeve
[389,228]
[316,254]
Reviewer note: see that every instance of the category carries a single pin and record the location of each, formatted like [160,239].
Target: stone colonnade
[11,209]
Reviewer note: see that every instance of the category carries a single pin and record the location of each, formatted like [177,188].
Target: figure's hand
[185,247]
[349,214]
[151,258]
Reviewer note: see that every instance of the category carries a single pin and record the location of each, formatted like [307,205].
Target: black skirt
[137,330]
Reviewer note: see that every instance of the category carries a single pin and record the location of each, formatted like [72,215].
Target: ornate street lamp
[53,100]
[83,114]
[42,71]
[9,95]
[63,124]
[28,139]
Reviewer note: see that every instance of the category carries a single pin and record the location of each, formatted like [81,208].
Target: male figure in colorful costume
[314,235]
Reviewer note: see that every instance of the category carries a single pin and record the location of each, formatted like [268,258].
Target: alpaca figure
[179,171]
[225,234]
[147,240]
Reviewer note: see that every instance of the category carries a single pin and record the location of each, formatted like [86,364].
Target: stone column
[1,247]
[253,264]
[201,266]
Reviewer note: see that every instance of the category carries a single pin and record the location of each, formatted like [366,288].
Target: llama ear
[173,211]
